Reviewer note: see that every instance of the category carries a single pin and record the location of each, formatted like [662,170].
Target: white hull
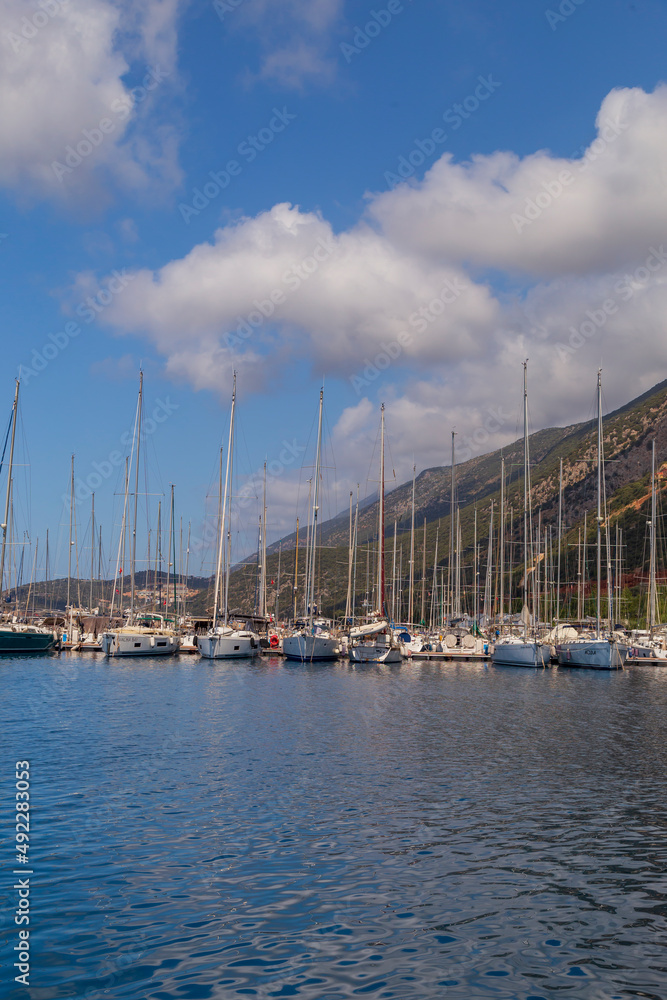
[228,646]
[644,652]
[374,653]
[138,644]
[595,654]
[307,648]
[520,654]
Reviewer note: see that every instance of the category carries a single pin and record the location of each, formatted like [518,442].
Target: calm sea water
[262,830]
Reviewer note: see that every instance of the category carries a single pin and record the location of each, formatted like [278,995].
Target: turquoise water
[257,829]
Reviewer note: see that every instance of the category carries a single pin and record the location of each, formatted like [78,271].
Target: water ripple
[263,830]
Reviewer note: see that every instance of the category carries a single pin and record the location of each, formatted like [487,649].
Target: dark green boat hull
[25,642]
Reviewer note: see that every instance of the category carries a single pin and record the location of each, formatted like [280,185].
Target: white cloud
[339,298]
[394,306]
[63,71]
[608,213]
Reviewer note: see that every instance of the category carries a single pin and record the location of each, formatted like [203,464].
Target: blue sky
[182,89]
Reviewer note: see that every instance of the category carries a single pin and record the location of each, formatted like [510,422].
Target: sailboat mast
[393,580]
[92,549]
[264,609]
[502,542]
[489,569]
[452,536]
[187,571]
[9,488]
[316,501]
[126,499]
[296,567]
[69,550]
[171,528]
[381,598]
[222,513]
[434,594]
[652,569]
[47,603]
[228,500]
[173,548]
[580,607]
[423,618]
[348,599]
[525,497]
[475,571]
[412,551]
[599,514]
[560,532]
[306,566]
[355,535]
[136,495]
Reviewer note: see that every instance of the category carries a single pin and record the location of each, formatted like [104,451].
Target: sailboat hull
[138,644]
[367,652]
[227,647]
[597,654]
[520,654]
[309,648]
[19,641]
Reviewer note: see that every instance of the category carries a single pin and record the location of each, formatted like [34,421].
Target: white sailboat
[313,642]
[510,650]
[601,652]
[134,639]
[223,641]
[374,642]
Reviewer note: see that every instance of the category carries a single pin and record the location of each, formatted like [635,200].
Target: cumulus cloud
[396,307]
[64,70]
[284,283]
[543,215]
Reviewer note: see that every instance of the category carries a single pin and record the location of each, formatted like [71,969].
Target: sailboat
[134,639]
[510,650]
[602,652]
[649,643]
[223,641]
[313,641]
[374,643]
[16,637]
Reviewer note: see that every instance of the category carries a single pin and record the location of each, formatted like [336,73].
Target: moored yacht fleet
[493,632]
